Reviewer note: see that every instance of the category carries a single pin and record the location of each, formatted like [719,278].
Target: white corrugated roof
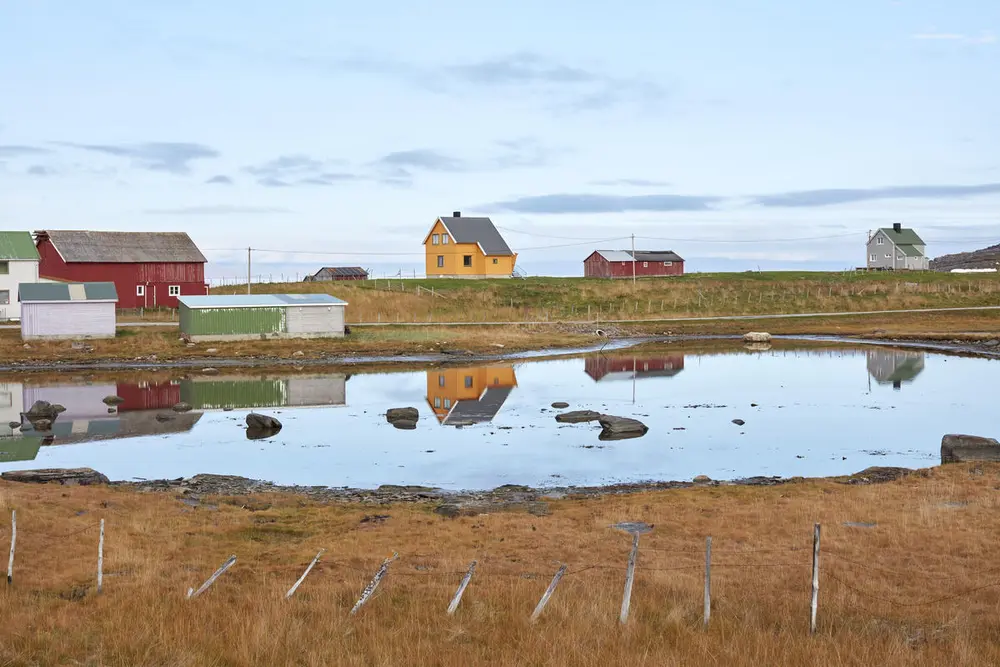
[615,255]
[259,300]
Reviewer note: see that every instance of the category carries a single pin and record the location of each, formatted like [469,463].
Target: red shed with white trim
[619,264]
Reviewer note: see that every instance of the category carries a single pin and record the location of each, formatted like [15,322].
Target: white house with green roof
[18,264]
[898,248]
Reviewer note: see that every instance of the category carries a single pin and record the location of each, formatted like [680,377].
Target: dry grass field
[920,587]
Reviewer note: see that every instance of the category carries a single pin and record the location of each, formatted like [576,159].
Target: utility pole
[633,260]
[248,269]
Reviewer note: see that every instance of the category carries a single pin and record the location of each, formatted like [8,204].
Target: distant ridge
[986,258]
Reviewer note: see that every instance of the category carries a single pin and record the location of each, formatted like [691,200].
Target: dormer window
[879,241]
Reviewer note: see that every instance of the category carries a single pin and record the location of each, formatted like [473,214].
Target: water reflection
[619,367]
[894,366]
[474,395]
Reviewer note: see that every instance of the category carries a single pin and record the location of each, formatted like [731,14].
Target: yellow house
[469,395]
[458,247]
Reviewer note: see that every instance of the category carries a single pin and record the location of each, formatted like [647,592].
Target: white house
[897,247]
[18,264]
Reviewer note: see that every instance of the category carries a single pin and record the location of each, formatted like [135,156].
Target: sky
[739,134]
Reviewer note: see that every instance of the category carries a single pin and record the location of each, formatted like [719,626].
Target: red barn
[619,264]
[149,269]
[629,368]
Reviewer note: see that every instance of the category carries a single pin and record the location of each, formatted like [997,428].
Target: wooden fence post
[100,560]
[708,580]
[211,580]
[461,589]
[13,541]
[629,577]
[548,593]
[815,581]
[370,588]
[291,591]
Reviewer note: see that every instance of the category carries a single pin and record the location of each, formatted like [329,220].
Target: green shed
[249,316]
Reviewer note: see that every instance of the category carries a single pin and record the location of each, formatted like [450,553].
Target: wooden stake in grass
[370,588]
[13,541]
[629,578]
[815,581]
[708,579]
[211,580]
[291,591]
[461,588]
[100,560]
[548,593]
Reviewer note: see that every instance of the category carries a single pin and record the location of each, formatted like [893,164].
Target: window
[447,403]
[440,380]
[495,261]
[623,263]
[468,382]
[874,257]
[645,265]
[437,401]
[467,260]
[444,239]
[140,290]
[4,297]
[4,268]
[668,264]
[496,380]
[888,255]
[434,239]
[174,290]
[440,261]
[879,240]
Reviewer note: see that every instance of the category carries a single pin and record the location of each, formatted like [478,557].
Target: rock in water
[739,422]
[404,424]
[14,425]
[578,417]
[210,371]
[113,400]
[42,410]
[42,424]
[960,448]
[165,417]
[182,407]
[560,405]
[621,428]
[82,476]
[392,415]
[261,433]
[56,408]
[262,422]
[757,337]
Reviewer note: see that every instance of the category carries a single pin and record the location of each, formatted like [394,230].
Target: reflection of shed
[469,395]
[264,392]
[894,366]
[11,406]
[605,368]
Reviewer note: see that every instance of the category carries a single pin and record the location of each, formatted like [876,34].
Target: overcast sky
[720,129]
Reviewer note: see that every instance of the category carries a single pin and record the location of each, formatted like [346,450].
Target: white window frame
[5,300]
[140,290]
[879,240]
[173,290]
[434,239]
[645,265]
[437,401]
[444,239]
[888,255]
[447,404]
[668,264]
[874,258]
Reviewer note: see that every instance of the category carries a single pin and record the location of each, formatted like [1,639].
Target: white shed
[67,310]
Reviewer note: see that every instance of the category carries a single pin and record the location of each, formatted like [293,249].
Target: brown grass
[902,593]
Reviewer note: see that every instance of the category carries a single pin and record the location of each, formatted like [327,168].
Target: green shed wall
[213,394]
[232,321]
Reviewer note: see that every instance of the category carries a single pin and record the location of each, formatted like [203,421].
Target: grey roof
[259,300]
[905,236]
[477,230]
[34,292]
[479,411]
[909,250]
[641,255]
[123,247]
[615,255]
[340,271]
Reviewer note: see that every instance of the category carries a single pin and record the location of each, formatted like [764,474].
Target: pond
[806,411]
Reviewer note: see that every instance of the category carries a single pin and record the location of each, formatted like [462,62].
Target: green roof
[909,250]
[33,292]
[904,236]
[17,245]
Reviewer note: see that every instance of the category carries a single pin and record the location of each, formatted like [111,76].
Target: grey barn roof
[477,230]
[657,256]
[340,271]
[123,247]
[479,411]
[35,292]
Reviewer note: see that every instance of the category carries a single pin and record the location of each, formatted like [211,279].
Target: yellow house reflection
[469,395]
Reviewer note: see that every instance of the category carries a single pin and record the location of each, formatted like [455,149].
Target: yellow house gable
[447,258]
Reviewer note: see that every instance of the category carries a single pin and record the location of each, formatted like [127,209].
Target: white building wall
[315,320]
[11,406]
[21,271]
[68,319]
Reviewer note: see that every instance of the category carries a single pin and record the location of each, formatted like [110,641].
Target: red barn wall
[158,396]
[596,266]
[155,277]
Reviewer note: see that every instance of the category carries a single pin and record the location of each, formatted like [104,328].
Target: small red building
[328,273]
[619,264]
[629,368]
[149,269]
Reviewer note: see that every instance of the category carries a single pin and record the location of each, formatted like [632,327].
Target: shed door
[315,319]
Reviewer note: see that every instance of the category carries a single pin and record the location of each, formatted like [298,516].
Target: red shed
[149,269]
[619,263]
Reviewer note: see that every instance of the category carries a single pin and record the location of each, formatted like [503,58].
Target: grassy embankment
[918,588]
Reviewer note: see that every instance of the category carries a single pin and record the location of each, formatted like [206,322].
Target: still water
[809,412]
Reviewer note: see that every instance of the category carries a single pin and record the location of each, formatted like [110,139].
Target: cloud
[985,37]
[10,150]
[634,182]
[812,198]
[165,156]
[41,170]
[422,158]
[289,170]
[219,179]
[220,209]
[594,203]
[398,168]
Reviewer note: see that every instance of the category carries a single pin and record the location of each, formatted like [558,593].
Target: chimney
[897,227]
[456,214]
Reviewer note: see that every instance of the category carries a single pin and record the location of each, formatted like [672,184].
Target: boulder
[621,428]
[113,400]
[739,422]
[757,337]
[578,417]
[42,424]
[404,424]
[210,371]
[261,433]
[757,347]
[58,408]
[262,422]
[298,353]
[702,479]
[960,448]
[560,405]
[82,476]
[211,350]
[165,417]
[14,425]
[182,407]
[42,410]
[392,415]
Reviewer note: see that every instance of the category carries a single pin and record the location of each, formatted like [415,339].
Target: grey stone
[992,343]
[42,410]
[757,337]
[210,371]
[113,400]
[578,416]
[182,407]
[211,350]
[82,476]
[739,422]
[14,425]
[621,428]
[254,433]
[58,408]
[42,424]
[702,479]
[402,414]
[298,353]
[404,424]
[957,448]
[165,417]
[262,422]
[560,405]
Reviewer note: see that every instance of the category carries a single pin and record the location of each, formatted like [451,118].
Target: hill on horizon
[985,258]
